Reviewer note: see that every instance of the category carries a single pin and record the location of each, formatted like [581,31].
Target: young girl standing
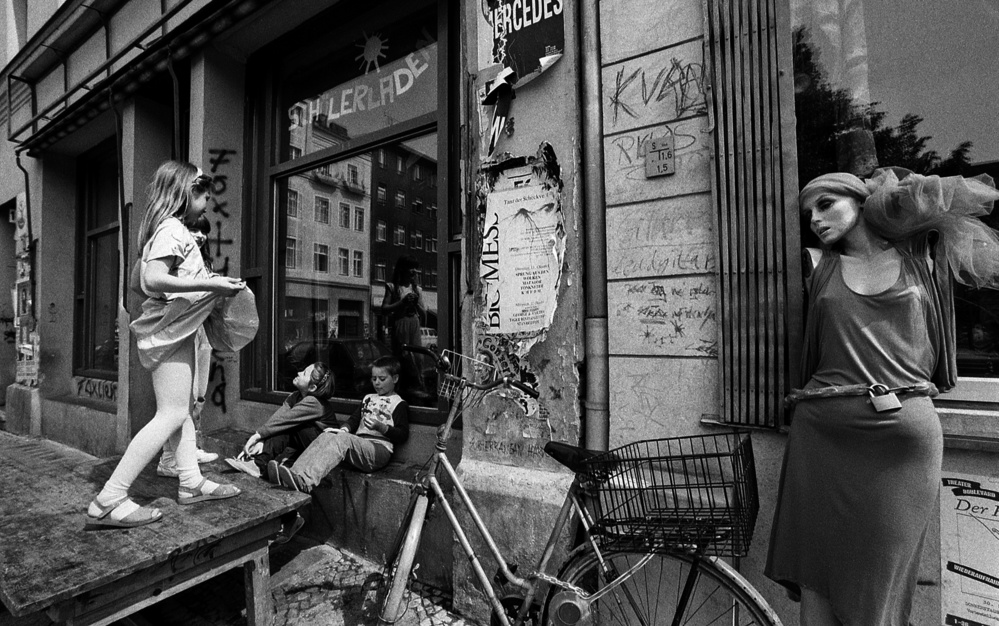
[181,294]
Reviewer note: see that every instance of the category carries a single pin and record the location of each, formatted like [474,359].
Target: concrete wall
[518,489]
[662,312]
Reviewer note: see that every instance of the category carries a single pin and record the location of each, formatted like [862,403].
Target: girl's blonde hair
[169,196]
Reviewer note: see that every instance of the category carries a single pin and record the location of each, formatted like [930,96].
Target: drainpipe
[27,227]
[595,404]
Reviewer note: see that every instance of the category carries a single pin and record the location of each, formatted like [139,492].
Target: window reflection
[878,84]
[339,304]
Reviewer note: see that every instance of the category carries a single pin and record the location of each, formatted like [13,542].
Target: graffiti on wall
[219,157]
[672,316]
[664,237]
[96,389]
[665,85]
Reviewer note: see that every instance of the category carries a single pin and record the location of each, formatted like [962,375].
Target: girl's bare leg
[816,610]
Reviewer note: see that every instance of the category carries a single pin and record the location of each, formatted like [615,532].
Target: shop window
[915,89]
[96,306]
[849,87]
[384,106]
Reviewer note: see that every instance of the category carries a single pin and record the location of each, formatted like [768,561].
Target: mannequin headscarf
[900,205]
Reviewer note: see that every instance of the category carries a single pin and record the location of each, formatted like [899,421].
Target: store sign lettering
[369,92]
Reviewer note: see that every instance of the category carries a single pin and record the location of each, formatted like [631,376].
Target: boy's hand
[253,445]
[374,423]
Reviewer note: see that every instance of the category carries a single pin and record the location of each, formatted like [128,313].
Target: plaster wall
[662,291]
[147,134]
[217,146]
[516,487]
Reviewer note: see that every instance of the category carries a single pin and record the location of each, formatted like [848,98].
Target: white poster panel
[523,245]
[969,550]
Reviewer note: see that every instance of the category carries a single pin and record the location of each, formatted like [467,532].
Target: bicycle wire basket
[694,492]
[451,383]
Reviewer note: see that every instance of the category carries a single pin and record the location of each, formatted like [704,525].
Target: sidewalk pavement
[312,585]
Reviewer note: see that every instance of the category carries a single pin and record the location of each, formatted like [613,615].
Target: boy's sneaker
[290,480]
[247,467]
[272,473]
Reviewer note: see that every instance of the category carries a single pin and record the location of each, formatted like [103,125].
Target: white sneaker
[247,467]
[206,457]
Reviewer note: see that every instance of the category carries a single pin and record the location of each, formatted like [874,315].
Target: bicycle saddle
[572,457]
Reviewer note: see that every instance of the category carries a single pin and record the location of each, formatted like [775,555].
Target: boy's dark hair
[322,378]
[388,363]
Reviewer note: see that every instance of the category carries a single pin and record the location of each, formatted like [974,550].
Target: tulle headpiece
[902,209]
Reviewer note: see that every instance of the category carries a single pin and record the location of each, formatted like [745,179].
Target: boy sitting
[366,442]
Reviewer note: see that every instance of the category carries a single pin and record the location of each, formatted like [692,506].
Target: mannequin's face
[831,216]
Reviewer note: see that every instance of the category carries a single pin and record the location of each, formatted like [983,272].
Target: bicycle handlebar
[442,362]
[443,365]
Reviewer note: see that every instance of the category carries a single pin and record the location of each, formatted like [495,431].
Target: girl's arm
[157,278]
[419,299]
[389,303]
[307,410]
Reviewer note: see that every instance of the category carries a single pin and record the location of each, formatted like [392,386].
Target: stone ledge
[362,512]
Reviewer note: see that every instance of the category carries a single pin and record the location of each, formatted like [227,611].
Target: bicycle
[651,513]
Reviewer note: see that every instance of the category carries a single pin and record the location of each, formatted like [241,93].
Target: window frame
[317,254]
[315,209]
[265,167]
[88,270]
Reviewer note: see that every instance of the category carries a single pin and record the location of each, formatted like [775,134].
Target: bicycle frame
[571,503]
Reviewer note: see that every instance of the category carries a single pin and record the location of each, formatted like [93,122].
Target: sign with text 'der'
[969,550]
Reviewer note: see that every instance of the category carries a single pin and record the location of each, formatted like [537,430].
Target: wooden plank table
[95,577]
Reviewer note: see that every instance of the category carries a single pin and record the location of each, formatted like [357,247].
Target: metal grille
[754,183]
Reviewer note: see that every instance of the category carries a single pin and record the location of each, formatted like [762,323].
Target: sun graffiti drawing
[374,48]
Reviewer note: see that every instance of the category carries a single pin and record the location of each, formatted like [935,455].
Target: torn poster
[523,245]
[528,35]
[969,549]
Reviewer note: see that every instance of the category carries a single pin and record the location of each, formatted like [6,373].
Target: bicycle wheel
[394,605]
[650,596]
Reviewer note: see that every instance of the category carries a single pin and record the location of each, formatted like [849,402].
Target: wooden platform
[49,562]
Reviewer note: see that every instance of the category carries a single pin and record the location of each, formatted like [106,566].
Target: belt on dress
[797,395]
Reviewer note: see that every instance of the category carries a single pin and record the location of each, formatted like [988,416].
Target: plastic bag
[233,322]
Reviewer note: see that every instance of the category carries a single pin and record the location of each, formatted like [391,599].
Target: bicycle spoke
[650,595]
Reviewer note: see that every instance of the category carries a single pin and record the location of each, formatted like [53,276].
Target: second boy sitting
[366,442]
